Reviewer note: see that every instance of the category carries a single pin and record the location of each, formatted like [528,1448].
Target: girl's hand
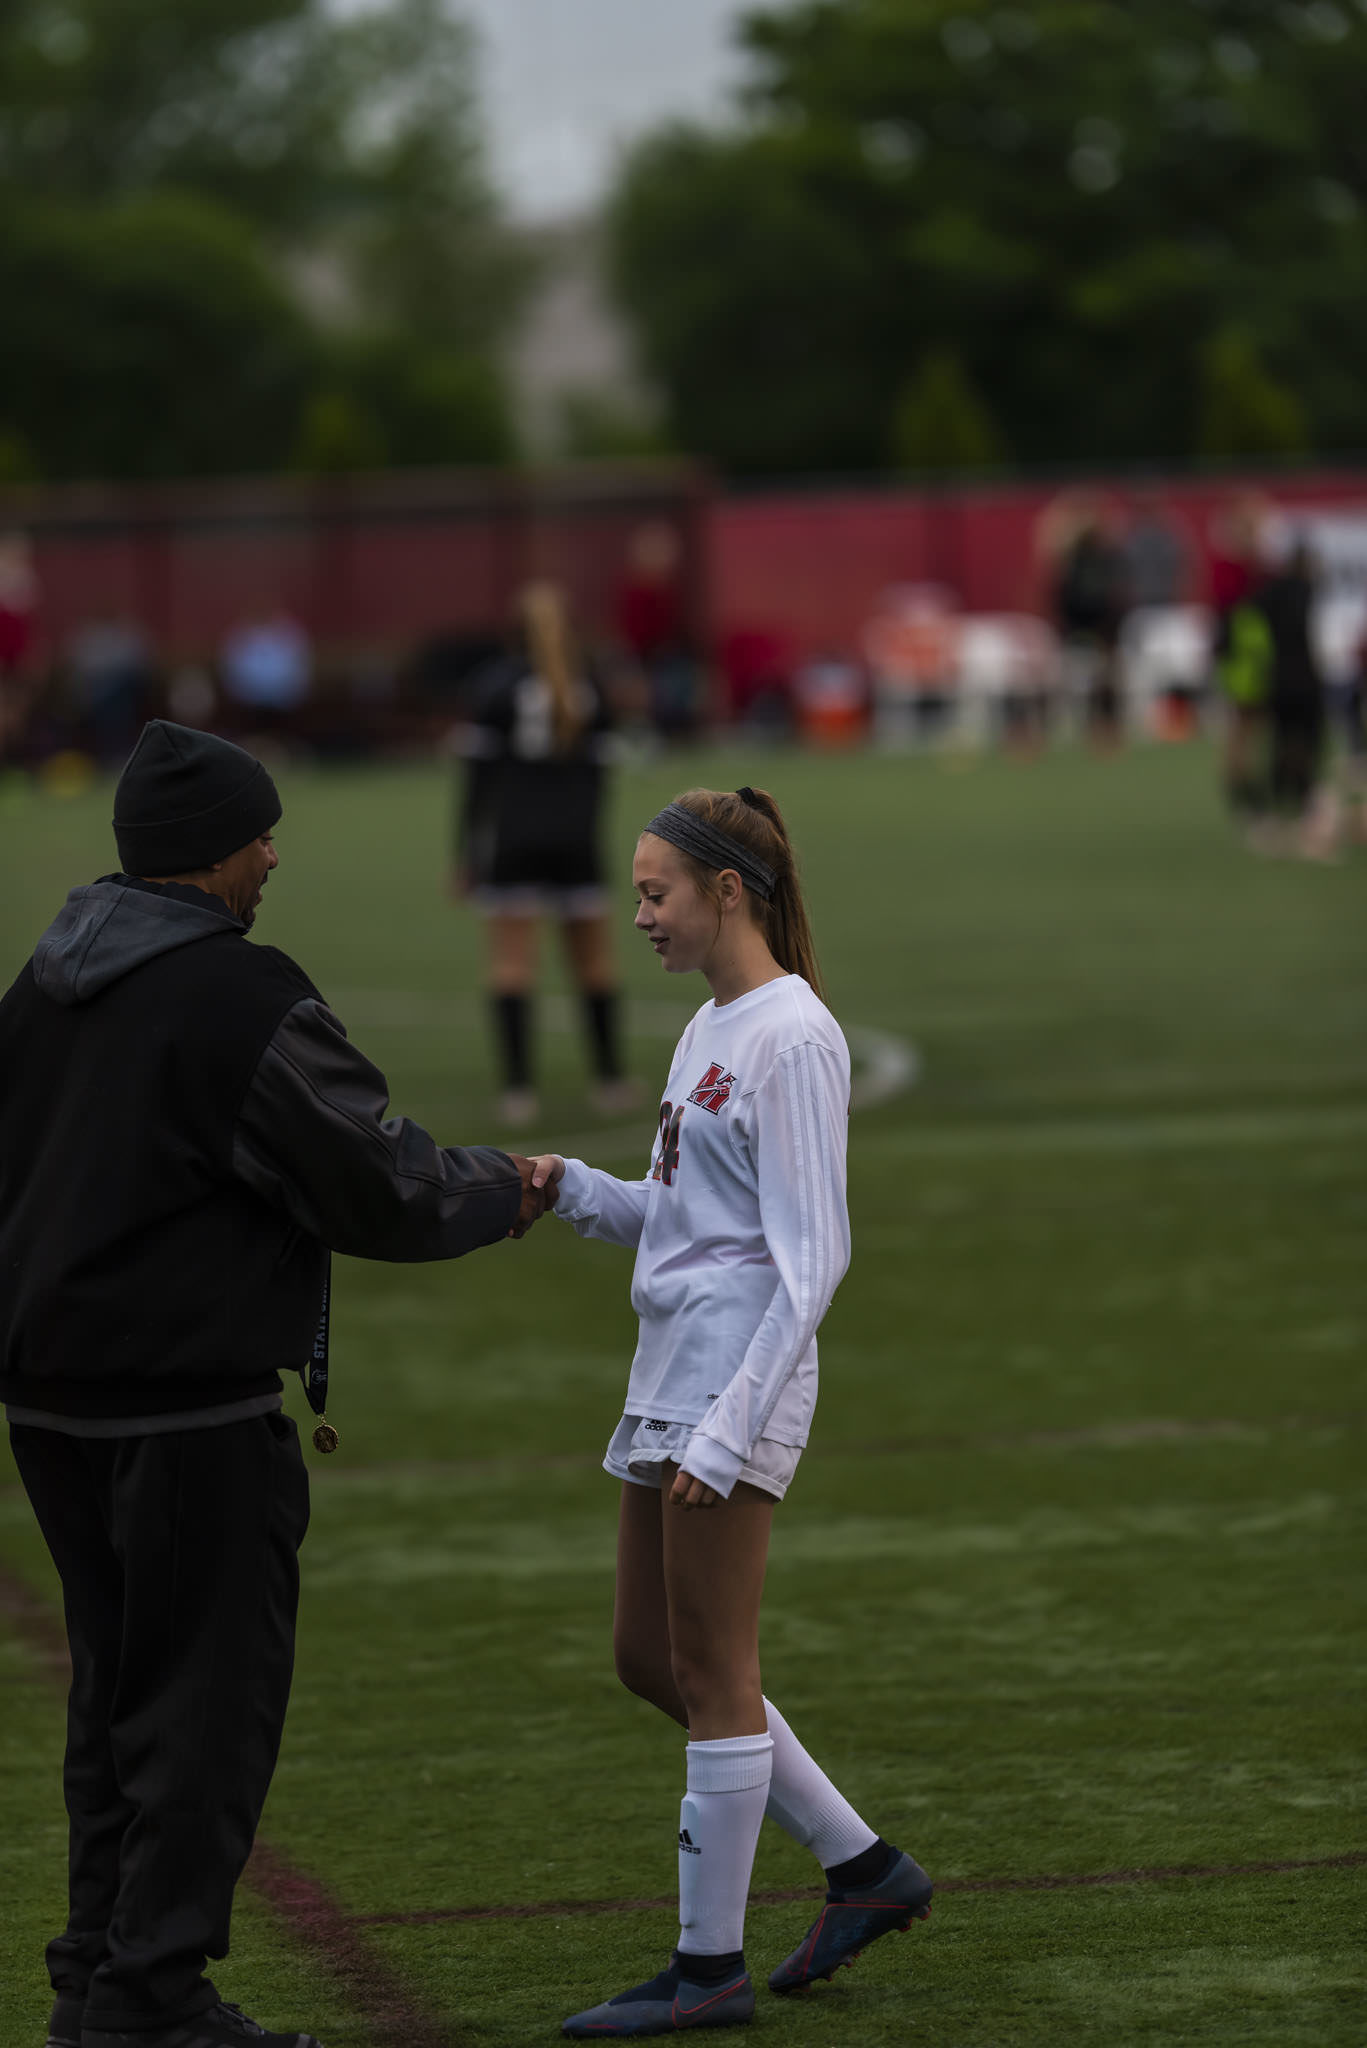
[547,1166]
[688,1492]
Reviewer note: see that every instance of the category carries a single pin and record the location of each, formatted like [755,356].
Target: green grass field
[1069,1585]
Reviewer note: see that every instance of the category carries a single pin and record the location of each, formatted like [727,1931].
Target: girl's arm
[801,1114]
[596,1203]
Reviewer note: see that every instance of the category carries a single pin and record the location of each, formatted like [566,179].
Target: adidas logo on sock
[686,1843]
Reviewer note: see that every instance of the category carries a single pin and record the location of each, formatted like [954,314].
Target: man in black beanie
[185,1136]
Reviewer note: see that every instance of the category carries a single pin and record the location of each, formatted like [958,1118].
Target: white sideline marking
[884,1065]
[889,1065]
[531,1548]
[1193,1130]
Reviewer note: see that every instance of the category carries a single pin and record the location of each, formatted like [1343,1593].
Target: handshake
[540,1188]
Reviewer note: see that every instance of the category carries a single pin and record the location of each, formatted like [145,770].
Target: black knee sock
[601,1014]
[512,1025]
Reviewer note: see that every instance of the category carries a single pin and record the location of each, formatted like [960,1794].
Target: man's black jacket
[184,1132]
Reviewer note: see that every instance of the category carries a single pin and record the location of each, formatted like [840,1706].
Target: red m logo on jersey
[714,1089]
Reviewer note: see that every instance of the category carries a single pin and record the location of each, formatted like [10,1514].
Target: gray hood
[109,927]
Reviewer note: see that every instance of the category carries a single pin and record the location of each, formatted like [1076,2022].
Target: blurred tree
[599,426]
[1243,410]
[337,436]
[1074,198]
[218,195]
[413,227]
[431,404]
[235,99]
[17,465]
[941,422]
[147,338]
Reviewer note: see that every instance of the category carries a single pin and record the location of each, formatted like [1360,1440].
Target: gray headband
[714,849]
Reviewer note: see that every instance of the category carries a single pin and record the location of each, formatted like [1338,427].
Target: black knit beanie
[186,799]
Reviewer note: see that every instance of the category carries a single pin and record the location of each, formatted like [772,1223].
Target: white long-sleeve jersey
[741,1225]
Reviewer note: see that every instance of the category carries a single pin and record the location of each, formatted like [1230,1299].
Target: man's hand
[537,1197]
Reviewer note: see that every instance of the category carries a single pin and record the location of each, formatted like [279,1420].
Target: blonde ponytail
[551,652]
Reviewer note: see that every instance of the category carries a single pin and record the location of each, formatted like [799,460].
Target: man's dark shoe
[222,2026]
[64,2025]
[850,1920]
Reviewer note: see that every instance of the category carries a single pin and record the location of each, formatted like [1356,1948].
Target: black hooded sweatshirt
[184,1133]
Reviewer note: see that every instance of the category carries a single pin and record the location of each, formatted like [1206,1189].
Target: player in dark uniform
[536,743]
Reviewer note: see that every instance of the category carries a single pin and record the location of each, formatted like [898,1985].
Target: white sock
[807,1805]
[719,1823]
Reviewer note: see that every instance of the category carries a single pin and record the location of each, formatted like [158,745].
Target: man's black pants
[177,1556]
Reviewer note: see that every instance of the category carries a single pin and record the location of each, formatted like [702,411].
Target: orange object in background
[1175,717]
[831,701]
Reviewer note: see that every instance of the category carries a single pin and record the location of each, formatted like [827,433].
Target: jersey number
[666,1166]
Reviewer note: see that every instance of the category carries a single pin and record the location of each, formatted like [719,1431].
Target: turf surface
[1069,1585]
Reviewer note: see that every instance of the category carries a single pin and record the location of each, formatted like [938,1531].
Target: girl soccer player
[741,1237]
[536,745]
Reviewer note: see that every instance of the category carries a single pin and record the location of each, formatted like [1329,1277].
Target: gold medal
[325,1438]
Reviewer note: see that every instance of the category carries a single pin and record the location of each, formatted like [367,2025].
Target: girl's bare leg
[589,951]
[640,1616]
[512,954]
[714,1561]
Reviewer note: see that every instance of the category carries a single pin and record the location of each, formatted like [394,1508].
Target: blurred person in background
[266,667]
[1303,806]
[652,624]
[832,698]
[110,665]
[18,619]
[536,743]
[1241,657]
[1353,713]
[192,1137]
[1238,557]
[1157,559]
[1088,599]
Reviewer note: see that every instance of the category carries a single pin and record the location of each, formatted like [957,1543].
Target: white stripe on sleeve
[801,1112]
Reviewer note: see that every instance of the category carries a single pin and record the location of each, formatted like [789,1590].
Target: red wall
[380,564]
[383,562]
[810,567]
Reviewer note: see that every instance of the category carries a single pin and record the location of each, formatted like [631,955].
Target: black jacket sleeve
[312,1138]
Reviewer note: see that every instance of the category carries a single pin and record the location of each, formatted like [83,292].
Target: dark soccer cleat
[64,2025]
[850,1920]
[222,2026]
[666,2005]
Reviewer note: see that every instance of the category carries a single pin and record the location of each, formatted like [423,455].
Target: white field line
[884,1065]
[531,1547]
[1181,1131]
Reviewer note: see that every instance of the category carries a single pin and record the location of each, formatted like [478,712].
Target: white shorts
[640,1449]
